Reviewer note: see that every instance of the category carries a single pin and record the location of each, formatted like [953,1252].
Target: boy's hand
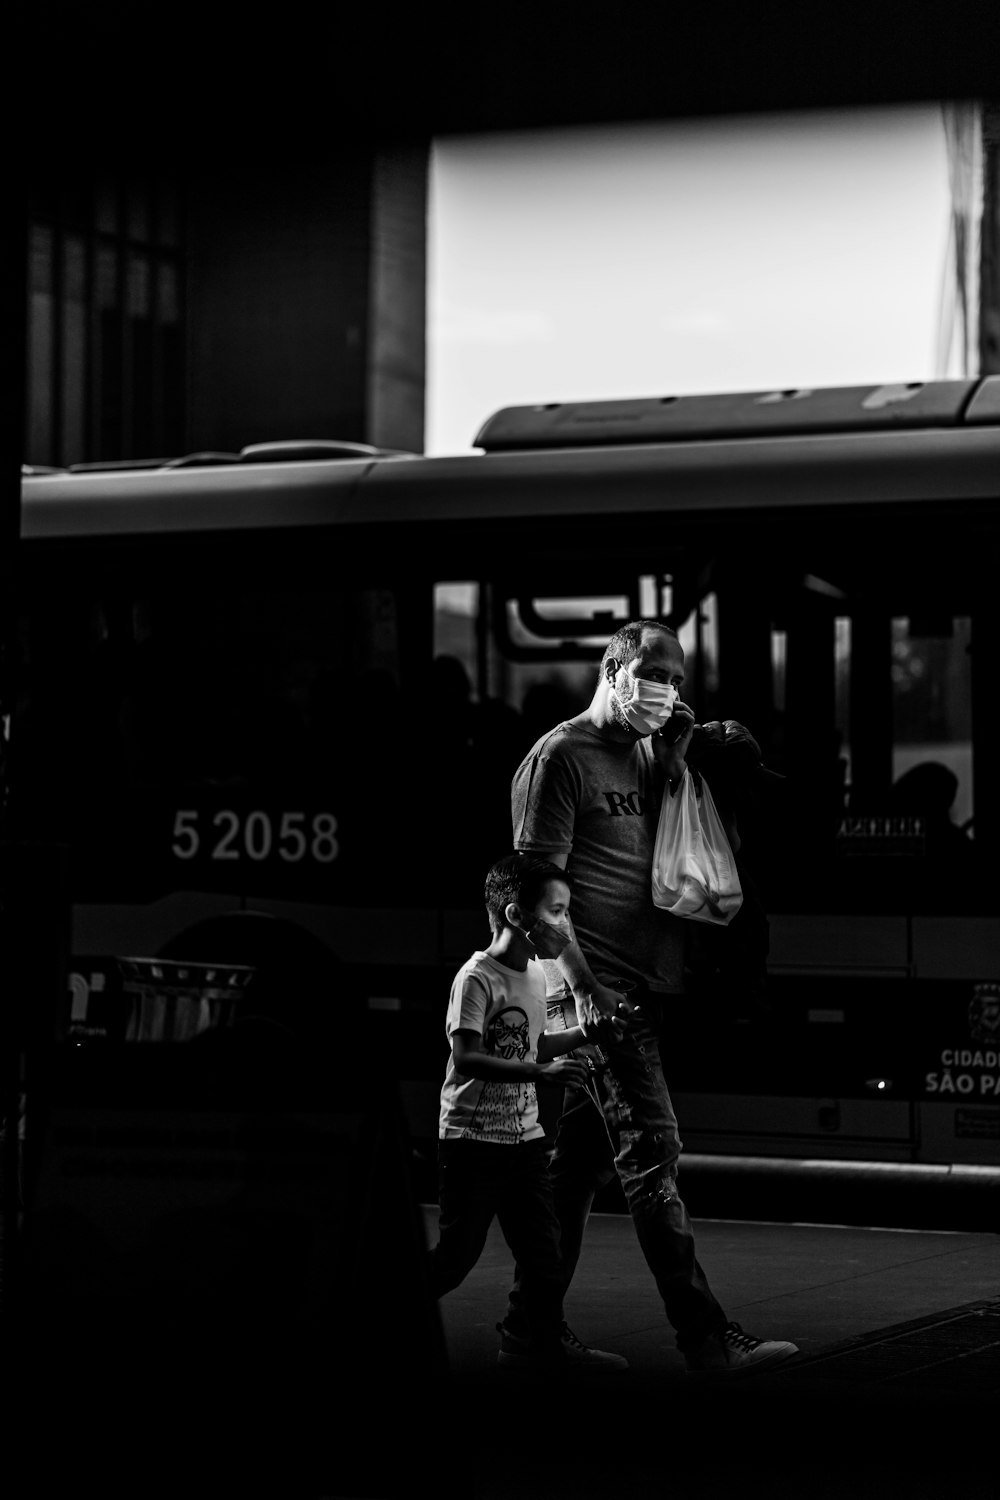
[549,941]
[563,1070]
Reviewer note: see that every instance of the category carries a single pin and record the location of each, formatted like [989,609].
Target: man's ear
[611,669]
[514,915]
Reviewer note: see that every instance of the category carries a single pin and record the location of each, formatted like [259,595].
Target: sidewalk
[894,1393]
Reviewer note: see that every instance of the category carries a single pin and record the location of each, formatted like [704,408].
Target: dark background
[222,82]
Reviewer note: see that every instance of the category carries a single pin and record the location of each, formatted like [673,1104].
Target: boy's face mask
[650,705]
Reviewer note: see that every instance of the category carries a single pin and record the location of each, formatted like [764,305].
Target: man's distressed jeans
[634,1131]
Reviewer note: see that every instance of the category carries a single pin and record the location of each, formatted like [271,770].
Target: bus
[271,702]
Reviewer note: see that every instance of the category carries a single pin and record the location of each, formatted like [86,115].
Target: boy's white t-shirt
[506,1008]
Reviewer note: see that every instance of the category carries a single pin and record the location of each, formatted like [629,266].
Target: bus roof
[665,419]
[951,453]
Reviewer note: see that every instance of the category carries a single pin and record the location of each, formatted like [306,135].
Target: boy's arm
[554,1043]
[473,1062]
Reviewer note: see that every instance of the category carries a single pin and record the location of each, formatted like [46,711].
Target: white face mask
[650,705]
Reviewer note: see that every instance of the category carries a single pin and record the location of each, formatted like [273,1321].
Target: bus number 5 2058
[256,835]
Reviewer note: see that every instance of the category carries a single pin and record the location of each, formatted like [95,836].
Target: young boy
[492,1153]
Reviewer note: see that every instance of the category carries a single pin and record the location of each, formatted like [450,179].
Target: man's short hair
[624,645]
[519,878]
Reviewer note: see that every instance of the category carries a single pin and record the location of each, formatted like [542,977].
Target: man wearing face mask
[587,797]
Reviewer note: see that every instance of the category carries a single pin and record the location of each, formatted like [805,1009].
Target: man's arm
[593,1000]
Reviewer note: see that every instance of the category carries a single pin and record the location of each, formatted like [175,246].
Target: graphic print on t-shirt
[625,804]
[506,1036]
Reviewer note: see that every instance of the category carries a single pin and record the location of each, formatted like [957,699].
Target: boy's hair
[521,879]
[624,644]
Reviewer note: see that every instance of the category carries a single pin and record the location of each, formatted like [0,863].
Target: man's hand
[731,737]
[606,1030]
[601,1004]
[549,941]
[670,744]
[738,734]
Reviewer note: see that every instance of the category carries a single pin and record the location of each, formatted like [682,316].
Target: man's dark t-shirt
[598,802]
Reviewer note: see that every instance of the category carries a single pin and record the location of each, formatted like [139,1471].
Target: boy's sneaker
[575,1355]
[581,1356]
[734,1352]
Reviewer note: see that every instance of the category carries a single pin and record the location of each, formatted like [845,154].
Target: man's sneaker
[734,1352]
[575,1355]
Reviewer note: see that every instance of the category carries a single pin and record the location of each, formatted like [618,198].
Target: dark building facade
[170,313]
[106,338]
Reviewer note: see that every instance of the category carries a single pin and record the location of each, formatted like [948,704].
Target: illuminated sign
[880,835]
[969,1068]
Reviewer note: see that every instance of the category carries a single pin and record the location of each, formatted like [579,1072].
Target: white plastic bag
[694,872]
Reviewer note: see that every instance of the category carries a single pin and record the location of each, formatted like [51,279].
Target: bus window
[456,612]
[842,689]
[932,719]
[558,641]
[605,614]
[779,662]
[547,647]
[699,638]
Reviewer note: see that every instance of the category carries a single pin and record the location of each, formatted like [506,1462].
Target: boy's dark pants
[480,1181]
